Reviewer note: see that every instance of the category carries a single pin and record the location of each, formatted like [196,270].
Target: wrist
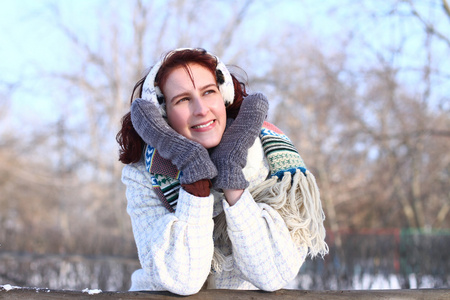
[232,195]
[201,188]
[230,177]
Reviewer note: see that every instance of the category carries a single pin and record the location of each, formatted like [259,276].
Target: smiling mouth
[203,125]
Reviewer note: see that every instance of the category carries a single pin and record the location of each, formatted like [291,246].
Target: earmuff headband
[151,92]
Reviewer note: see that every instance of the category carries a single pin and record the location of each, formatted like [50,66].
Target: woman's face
[195,107]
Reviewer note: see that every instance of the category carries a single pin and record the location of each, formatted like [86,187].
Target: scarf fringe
[220,261]
[297,199]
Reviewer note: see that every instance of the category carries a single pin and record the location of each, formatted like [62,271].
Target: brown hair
[131,144]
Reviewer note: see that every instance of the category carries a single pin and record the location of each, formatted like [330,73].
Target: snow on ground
[8,287]
[92,292]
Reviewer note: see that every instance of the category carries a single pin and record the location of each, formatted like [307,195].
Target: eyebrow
[187,93]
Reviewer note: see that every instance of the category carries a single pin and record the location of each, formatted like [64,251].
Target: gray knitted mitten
[230,156]
[191,158]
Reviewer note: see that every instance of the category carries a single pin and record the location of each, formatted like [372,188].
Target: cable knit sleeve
[263,250]
[175,249]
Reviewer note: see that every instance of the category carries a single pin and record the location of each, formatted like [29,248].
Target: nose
[200,107]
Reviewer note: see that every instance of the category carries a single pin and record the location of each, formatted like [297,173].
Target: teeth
[205,125]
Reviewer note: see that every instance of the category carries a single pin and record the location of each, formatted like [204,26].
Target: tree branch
[446,7]
[429,27]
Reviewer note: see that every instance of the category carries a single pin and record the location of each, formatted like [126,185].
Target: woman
[217,197]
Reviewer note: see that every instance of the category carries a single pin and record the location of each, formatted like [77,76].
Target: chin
[208,144]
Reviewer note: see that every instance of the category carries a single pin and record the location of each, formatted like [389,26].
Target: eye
[210,92]
[182,100]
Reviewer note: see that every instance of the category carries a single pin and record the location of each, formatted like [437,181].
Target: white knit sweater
[176,249]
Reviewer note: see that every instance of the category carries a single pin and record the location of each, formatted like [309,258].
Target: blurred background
[361,87]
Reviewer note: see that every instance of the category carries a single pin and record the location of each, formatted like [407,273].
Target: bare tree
[371,123]
[83,190]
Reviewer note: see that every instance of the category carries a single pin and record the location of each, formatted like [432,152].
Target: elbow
[273,286]
[181,282]
[283,277]
[276,284]
[270,288]
[186,282]
[188,292]
[184,288]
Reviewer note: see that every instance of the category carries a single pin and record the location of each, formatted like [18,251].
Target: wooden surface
[8,292]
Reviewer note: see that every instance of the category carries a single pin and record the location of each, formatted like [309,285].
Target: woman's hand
[230,156]
[191,158]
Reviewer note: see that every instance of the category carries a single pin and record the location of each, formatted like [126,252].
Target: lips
[204,125]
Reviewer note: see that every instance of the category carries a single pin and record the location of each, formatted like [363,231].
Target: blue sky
[31,46]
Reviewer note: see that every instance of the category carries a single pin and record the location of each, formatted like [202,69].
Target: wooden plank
[7,292]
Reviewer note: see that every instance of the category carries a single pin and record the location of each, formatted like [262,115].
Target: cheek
[176,120]
[221,115]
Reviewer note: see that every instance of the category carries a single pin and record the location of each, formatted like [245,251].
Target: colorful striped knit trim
[278,148]
[280,151]
[165,177]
